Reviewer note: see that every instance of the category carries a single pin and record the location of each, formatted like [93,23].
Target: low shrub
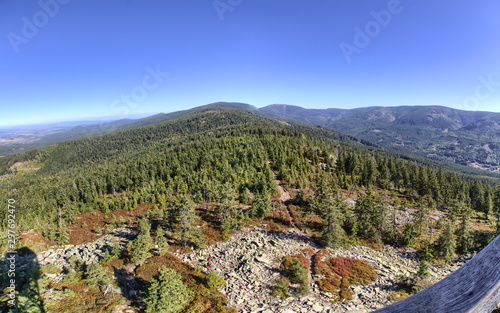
[215,281]
[296,268]
[281,288]
[355,272]
[341,273]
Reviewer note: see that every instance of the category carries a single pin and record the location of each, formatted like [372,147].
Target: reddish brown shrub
[353,271]
[306,262]
[330,284]
[308,251]
[341,273]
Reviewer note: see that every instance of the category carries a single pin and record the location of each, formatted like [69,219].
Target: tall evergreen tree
[446,243]
[410,235]
[139,248]
[187,218]
[261,205]
[333,234]
[166,293]
[371,217]
[161,241]
[487,205]
[465,240]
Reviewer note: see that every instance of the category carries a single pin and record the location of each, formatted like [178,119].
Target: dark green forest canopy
[197,154]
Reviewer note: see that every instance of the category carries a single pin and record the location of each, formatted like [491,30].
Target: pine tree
[139,248]
[410,235]
[166,293]
[333,234]
[446,243]
[261,205]
[465,240]
[161,241]
[186,213]
[98,276]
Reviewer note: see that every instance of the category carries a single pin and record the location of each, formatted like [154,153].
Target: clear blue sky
[76,60]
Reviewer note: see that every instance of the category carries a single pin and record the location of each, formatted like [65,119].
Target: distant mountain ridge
[435,132]
[23,138]
[440,133]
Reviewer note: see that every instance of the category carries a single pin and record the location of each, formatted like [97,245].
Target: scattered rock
[249,263]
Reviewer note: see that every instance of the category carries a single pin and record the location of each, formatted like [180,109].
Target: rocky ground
[88,253]
[249,262]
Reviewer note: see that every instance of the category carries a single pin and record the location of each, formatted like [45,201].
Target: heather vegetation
[338,274]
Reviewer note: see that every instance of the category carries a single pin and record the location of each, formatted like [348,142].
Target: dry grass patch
[399,295]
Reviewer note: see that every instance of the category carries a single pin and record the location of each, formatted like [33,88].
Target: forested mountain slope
[440,133]
[74,174]
[198,178]
[21,139]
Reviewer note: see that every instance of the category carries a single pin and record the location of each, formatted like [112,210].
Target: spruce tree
[371,217]
[166,293]
[446,243]
[98,276]
[426,253]
[423,269]
[139,248]
[161,241]
[261,205]
[187,218]
[244,196]
[465,240]
[143,225]
[410,235]
[487,206]
[227,203]
[332,209]
[63,236]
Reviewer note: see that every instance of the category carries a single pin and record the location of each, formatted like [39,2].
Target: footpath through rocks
[250,265]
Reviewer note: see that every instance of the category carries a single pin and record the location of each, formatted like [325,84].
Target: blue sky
[77,59]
